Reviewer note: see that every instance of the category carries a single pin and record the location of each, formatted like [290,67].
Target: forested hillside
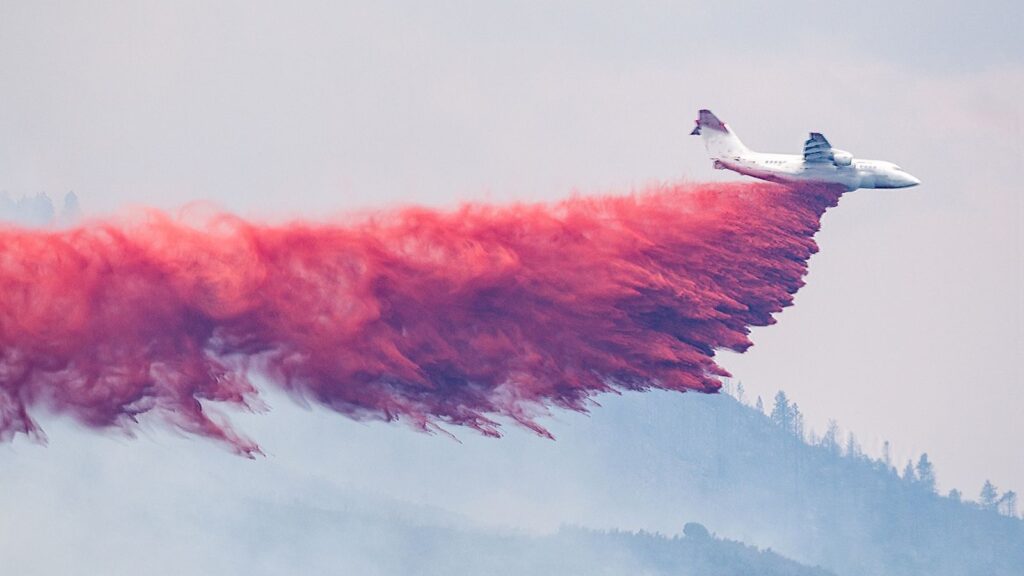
[755,476]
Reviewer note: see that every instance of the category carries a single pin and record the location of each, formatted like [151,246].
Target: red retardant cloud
[417,315]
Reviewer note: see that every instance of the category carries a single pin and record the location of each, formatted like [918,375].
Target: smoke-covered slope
[642,462]
[732,467]
[325,541]
[653,461]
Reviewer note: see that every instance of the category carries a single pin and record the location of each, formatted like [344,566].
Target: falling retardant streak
[457,317]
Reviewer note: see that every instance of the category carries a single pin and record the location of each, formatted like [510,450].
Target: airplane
[820,163]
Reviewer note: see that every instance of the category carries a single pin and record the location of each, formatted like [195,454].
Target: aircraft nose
[912,180]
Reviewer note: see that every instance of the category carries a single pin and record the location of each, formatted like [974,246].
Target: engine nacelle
[841,157]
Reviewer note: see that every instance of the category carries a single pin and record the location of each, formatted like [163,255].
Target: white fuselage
[819,164]
[792,169]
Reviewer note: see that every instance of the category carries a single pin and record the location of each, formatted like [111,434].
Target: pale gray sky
[911,327]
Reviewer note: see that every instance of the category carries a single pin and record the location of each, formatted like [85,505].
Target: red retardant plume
[418,315]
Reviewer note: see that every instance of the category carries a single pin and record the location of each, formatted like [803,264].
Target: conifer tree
[830,440]
[781,412]
[989,496]
[909,475]
[796,421]
[1008,504]
[926,473]
[852,446]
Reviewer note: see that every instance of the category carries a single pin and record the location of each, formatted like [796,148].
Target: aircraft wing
[817,149]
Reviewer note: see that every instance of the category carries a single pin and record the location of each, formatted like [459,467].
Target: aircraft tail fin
[718,138]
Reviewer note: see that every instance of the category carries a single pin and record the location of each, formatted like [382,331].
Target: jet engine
[841,157]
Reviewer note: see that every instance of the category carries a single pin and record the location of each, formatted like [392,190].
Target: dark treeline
[919,472]
[38,210]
